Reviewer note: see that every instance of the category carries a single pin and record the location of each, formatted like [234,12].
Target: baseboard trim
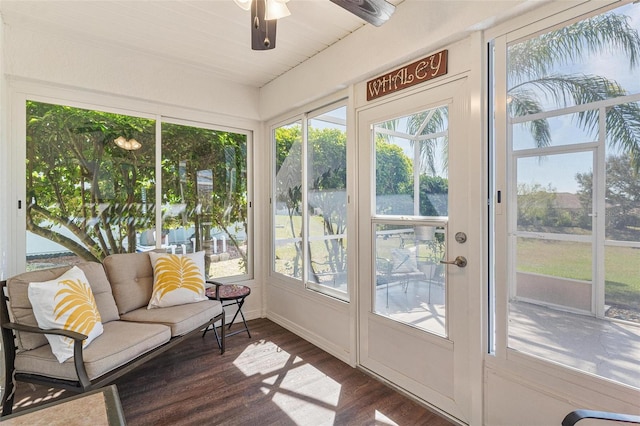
[311,337]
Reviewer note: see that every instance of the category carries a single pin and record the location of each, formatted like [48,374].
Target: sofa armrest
[78,343]
[217,284]
[58,332]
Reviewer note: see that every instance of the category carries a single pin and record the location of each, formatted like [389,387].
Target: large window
[573,162]
[92,182]
[310,201]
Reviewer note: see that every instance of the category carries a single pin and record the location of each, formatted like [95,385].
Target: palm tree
[425,124]
[531,80]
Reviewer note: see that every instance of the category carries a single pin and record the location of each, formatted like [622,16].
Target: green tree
[394,170]
[532,81]
[622,198]
[80,181]
[394,176]
[427,123]
[189,155]
[434,191]
[536,207]
[327,152]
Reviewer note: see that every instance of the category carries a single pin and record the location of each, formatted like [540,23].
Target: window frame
[501,175]
[303,118]
[23,91]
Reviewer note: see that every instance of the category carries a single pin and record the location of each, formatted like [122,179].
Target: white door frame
[466,404]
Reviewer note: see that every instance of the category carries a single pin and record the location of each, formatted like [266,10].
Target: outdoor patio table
[229,295]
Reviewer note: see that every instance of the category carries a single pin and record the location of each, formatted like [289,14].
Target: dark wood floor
[274,378]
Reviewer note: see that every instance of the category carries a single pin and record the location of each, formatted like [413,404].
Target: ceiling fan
[265,15]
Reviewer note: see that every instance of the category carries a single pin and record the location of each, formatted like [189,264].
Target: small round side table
[229,295]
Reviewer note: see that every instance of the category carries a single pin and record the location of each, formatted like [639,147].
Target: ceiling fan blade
[375,12]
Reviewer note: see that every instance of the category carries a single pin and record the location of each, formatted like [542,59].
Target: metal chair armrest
[575,416]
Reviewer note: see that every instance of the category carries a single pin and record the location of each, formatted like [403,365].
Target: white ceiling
[210,34]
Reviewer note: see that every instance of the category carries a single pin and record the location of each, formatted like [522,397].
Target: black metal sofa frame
[83,384]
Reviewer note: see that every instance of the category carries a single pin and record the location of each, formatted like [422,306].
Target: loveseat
[131,334]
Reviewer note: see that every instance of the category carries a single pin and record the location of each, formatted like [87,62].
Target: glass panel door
[413,309]
[411,154]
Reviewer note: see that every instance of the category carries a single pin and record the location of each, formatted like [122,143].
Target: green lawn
[573,260]
[286,253]
[556,258]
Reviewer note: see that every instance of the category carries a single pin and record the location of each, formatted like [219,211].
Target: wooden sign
[425,69]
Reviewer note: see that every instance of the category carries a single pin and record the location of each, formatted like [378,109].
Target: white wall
[524,396]
[416,29]
[58,59]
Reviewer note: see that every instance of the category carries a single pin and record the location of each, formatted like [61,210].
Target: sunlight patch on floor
[307,395]
[263,357]
[381,419]
[52,393]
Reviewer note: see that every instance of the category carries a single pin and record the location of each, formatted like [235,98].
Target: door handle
[459,261]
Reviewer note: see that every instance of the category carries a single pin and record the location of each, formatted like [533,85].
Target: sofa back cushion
[21,311]
[178,279]
[131,278]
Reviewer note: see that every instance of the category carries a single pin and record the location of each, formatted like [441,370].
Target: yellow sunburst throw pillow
[65,303]
[177,279]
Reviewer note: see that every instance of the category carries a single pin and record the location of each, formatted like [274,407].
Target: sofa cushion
[21,311]
[178,279]
[120,343]
[131,278]
[181,318]
[66,303]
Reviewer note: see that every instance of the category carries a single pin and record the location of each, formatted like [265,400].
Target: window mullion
[158,206]
[304,191]
[599,208]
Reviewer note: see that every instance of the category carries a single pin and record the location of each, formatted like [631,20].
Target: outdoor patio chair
[402,268]
[147,242]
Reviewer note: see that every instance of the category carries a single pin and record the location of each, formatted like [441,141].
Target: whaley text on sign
[414,73]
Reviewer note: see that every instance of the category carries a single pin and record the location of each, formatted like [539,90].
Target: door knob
[459,261]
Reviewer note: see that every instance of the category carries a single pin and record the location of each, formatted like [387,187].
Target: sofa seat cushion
[21,311]
[120,343]
[181,318]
